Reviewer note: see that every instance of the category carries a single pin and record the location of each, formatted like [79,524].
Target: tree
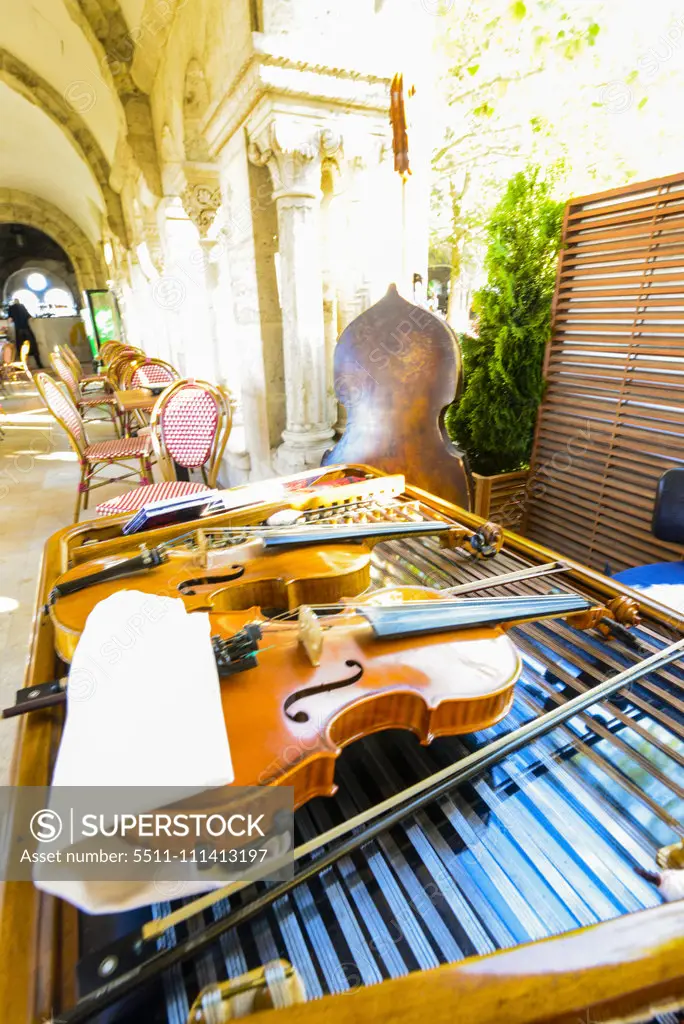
[495,55]
[494,420]
[537,82]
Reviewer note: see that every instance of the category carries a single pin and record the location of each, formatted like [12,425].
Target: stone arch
[34,88]
[104,25]
[25,208]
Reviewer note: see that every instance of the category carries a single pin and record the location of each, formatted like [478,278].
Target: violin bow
[128,952]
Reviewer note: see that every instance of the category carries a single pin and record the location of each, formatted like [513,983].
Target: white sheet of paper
[143,709]
[143,699]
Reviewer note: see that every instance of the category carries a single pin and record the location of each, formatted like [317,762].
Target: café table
[133,404]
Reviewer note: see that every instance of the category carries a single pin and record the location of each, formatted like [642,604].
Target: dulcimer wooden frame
[629,967]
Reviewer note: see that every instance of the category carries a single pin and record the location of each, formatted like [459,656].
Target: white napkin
[143,709]
[143,699]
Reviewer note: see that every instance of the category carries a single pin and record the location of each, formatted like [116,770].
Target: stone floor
[38,478]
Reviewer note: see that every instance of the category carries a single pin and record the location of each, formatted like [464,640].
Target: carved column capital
[201,197]
[294,149]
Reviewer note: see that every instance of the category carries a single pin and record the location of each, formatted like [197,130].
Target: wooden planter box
[501,498]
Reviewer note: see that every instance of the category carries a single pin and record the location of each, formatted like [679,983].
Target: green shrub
[495,417]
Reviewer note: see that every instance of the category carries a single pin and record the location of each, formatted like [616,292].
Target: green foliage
[508,70]
[494,419]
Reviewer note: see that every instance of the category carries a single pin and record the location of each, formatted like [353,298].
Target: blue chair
[667,525]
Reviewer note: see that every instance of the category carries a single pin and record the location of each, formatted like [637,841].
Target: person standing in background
[20,316]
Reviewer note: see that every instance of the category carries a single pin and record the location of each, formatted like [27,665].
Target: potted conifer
[503,366]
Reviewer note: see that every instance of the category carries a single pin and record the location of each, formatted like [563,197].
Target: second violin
[274,569]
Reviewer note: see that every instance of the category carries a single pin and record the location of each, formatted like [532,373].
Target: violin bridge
[310,633]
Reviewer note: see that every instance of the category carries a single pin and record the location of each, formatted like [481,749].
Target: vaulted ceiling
[38,157]
[66,92]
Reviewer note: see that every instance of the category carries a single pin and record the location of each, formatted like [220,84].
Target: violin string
[327,514]
[400,606]
[288,617]
[280,622]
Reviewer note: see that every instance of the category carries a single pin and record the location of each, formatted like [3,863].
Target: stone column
[294,150]
[202,200]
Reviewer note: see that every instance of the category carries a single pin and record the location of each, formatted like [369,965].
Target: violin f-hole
[301,716]
[190,587]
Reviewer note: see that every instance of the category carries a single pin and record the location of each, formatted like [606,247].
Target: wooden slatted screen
[612,419]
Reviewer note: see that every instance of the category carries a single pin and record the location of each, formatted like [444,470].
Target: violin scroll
[488,540]
[624,610]
[485,542]
[618,615]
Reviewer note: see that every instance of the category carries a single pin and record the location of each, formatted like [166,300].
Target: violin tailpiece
[238,652]
[310,633]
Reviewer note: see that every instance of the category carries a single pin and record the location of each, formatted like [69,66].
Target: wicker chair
[190,426]
[101,401]
[15,369]
[118,365]
[85,381]
[107,351]
[191,423]
[94,459]
[145,372]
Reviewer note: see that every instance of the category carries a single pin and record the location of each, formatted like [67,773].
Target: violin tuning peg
[310,634]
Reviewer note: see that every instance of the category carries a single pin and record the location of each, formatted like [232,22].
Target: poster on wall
[102,318]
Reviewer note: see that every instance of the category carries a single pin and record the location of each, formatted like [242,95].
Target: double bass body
[397,369]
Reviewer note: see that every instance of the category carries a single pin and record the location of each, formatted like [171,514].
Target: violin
[297,689]
[397,369]
[401,658]
[226,570]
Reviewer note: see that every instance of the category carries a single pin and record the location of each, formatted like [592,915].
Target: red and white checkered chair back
[66,374]
[190,424]
[152,371]
[63,409]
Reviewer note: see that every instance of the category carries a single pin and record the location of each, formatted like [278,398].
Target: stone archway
[24,208]
[104,25]
[37,90]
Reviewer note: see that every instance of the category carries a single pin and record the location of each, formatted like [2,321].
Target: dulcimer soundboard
[522,872]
